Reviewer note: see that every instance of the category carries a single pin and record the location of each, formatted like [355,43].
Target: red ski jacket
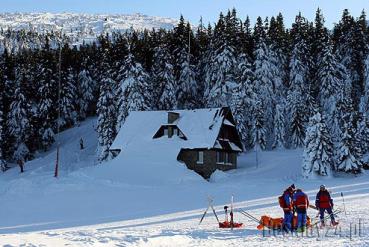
[323,200]
[301,200]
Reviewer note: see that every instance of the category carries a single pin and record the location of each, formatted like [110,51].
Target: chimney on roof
[172,117]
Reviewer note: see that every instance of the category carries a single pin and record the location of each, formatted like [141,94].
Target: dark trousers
[301,217]
[287,220]
[329,211]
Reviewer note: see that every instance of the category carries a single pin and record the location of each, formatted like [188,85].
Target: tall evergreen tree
[106,118]
[221,72]
[164,81]
[243,99]
[347,160]
[329,78]
[68,114]
[86,87]
[187,86]
[279,128]
[19,119]
[258,131]
[318,151]
[364,102]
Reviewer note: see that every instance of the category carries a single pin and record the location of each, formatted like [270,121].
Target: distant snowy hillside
[82,27]
[88,24]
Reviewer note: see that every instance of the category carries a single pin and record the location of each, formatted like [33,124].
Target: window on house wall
[228,158]
[165,132]
[200,157]
[224,158]
[170,131]
[220,157]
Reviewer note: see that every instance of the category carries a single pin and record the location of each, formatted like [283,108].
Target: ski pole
[204,215]
[344,205]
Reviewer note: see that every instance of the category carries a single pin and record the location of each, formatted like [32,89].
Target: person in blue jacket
[287,207]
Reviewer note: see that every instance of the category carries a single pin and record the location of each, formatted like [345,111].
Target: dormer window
[169,131]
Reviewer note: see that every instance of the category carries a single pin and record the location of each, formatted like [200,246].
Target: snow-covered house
[203,139]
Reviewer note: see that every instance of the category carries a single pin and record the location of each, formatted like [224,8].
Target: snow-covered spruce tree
[139,97]
[220,74]
[46,111]
[318,42]
[126,78]
[265,77]
[223,81]
[362,139]
[19,125]
[350,49]
[258,132]
[364,102]
[68,114]
[279,128]
[278,39]
[360,50]
[164,94]
[296,100]
[187,85]
[243,99]
[278,74]
[134,89]
[318,151]
[296,119]
[329,78]
[3,140]
[85,92]
[106,117]
[347,160]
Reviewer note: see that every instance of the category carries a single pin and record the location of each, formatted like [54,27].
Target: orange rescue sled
[277,223]
[227,224]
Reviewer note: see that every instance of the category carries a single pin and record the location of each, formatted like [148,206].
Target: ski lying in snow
[327,217]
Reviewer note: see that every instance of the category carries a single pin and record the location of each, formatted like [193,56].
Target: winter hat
[293,186]
[322,187]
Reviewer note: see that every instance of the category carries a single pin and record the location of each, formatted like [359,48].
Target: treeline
[304,86]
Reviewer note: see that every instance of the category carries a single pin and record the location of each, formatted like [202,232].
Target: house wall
[189,157]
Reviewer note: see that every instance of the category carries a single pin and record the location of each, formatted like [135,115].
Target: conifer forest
[303,86]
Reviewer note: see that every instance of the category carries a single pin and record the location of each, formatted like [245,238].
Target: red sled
[227,224]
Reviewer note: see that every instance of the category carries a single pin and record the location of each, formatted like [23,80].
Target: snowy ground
[124,204]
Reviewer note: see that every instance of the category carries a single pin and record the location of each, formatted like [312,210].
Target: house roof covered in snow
[200,127]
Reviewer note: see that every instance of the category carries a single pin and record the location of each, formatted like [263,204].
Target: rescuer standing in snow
[81,143]
[286,203]
[301,202]
[324,202]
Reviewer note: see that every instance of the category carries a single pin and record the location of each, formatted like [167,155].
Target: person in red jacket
[301,203]
[324,202]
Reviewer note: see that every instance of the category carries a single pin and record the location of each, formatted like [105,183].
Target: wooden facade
[223,156]
[210,161]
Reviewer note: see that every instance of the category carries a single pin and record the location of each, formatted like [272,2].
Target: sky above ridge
[192,10]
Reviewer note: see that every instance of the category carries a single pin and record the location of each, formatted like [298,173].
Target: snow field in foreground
[128,202]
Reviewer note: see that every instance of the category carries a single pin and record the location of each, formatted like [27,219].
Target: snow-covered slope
[82,24]
[155,202]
